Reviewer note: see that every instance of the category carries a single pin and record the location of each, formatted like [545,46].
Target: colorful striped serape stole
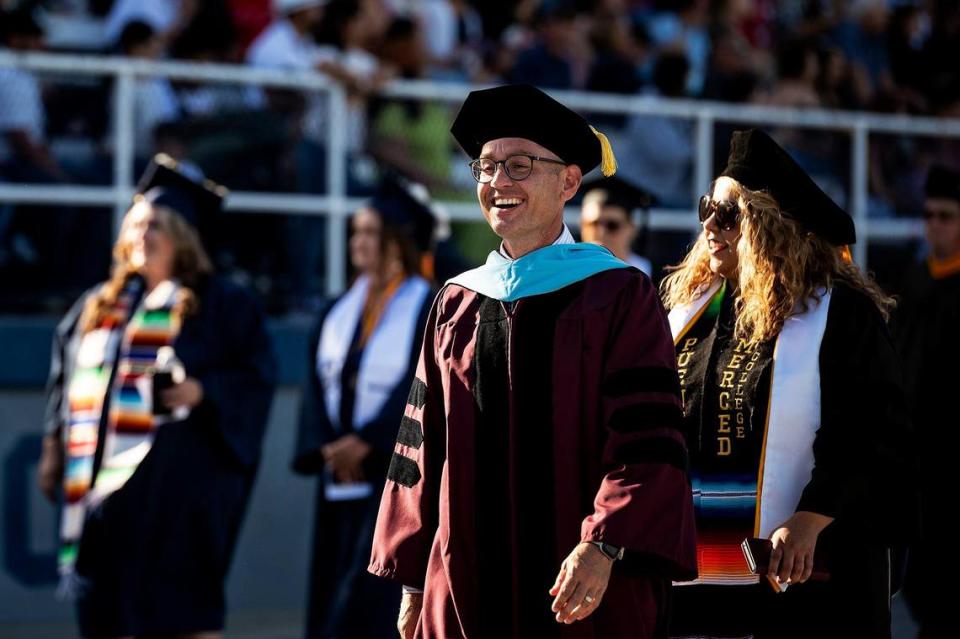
[726,508]
[130,423]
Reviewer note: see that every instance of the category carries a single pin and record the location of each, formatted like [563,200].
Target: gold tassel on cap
[846,255]
[608,161]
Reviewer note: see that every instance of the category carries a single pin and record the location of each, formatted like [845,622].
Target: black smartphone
[162,380]
[757,553]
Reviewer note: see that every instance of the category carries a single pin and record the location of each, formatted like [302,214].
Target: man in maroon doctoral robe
[539,485]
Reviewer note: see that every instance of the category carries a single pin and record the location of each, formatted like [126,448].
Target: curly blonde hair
[781,268]
[190,264]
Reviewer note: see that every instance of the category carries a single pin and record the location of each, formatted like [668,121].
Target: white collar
[565,237]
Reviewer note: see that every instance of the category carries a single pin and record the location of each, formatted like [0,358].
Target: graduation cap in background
[166,183]
[523,111]
[613,191]
[943,182]
[406,206]
[760,164]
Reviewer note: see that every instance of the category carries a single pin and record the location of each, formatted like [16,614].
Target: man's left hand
[583,579]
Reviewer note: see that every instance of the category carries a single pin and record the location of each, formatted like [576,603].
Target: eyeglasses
[610,226]
[517,167]
[727,212]
[942,216]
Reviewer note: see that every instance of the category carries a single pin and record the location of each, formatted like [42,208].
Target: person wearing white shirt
[161,15]
[286,43]
[22,114]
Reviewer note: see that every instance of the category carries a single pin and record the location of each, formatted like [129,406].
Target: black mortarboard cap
[620,193]
[760,164]
[165,183]
[523,111]
[943,182]
[406,206]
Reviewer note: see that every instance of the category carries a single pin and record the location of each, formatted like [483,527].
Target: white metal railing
[336,206]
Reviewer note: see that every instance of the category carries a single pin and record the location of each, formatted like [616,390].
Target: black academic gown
[345,600]
[863,476]
[925,326]
[156,552]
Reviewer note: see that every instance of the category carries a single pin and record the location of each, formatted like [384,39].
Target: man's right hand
[410,607]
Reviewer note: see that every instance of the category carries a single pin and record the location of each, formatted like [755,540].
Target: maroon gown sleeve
[644,503]
[409,508]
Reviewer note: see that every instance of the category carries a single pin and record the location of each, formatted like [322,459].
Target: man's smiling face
[520,210]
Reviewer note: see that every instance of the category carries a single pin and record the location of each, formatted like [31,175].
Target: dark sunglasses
[943,216]
[610,226]
[727,212]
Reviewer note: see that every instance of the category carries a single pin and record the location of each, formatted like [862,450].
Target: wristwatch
[610,551]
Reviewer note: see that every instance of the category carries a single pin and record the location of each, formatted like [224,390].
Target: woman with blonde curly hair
[794,411]
[159,389]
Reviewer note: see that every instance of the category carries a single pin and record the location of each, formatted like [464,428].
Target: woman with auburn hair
[794,411]
[159,389]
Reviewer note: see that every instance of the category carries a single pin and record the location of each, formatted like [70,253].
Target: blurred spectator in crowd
[353,28]
[613,214]
[38,243]
[407,135]
[657,151]
[906,37]
[796,82]
[361,359]
[166,17]
[621,52]
[23,146]
[155,100]
[739,54]
[210,37]
[683,24]
[942,50]
[160,386]
[557,58]
[250,18]
[344,29]
[862,36]
[439,18]
[925,329]
[288,42]
[456,42]
[839,85]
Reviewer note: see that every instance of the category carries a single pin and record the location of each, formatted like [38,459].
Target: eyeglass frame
[503,163]
[713,207]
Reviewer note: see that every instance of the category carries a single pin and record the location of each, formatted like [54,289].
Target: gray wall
[269,574]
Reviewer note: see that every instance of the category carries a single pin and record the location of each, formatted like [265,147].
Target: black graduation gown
[344,599]
[156,552]
[925,327]
[863,476]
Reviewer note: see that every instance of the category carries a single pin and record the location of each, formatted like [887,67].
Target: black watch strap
[613,553]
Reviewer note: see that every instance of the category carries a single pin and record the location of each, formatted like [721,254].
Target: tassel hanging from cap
[608,161]
[845,254]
